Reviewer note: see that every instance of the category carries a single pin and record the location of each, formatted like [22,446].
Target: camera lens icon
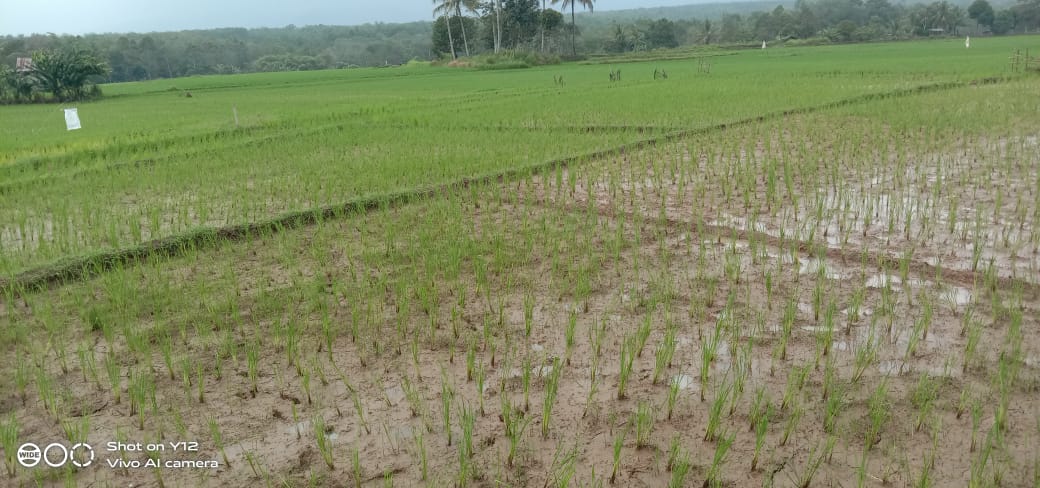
[56,455]
[29,455]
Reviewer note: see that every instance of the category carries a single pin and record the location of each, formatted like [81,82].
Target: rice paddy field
[786,267]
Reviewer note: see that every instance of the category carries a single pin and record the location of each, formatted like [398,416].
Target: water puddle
[785,258]
[897,367]
[882,280]
[543,371]
[863,311]
[394,394]
[956,295]
[684,381]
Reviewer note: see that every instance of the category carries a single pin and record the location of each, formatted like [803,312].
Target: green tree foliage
[288,62]
[619,43]
[982,12]
[66,73]
[519,22]
[1027,15]
[662,33]
[441,41]
[936,17]
[1003,22]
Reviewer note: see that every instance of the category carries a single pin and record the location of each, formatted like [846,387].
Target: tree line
[474,27]
[799,22]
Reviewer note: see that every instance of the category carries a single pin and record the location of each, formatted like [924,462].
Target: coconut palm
[586,4]
[445,8]
[541,25]
[470,5]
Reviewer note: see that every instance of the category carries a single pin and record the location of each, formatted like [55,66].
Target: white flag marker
[71,119]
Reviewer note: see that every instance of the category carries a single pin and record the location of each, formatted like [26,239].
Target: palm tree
[446,8]
[470,5]
[65,73]
[498,25]
[586,4]
[541,25]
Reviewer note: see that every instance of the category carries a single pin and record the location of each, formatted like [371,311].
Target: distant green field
[151,162]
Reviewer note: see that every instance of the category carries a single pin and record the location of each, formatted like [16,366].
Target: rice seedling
[618,444]
[803,479]
[572,325]
[673,395]
[923,399]
[708,351]
[515,423]
[787,326]
[480,388]
[563,466]
[834,404]
[714,475]
[664,353]
[420,448]
[793,417]
[115,377]
[21,378]
[360,410]
[627,358]
[200,385]
[525,381]
[795,381]
[760,424]
[825,338]
[722,393]
[356,465]
[305,382]
[324,442]
[552,384]
[256,467]
[295,419]
[529,302]
[866,354]
[9,442]
[447,397]
[641,335]
[471,359]
[878,414]
[218,440]
[680,467]
[467,421]
[643,420]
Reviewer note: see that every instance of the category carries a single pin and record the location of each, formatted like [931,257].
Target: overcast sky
[97,16]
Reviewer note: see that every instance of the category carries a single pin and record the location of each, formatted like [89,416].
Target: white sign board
[71,119]
[23,64]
